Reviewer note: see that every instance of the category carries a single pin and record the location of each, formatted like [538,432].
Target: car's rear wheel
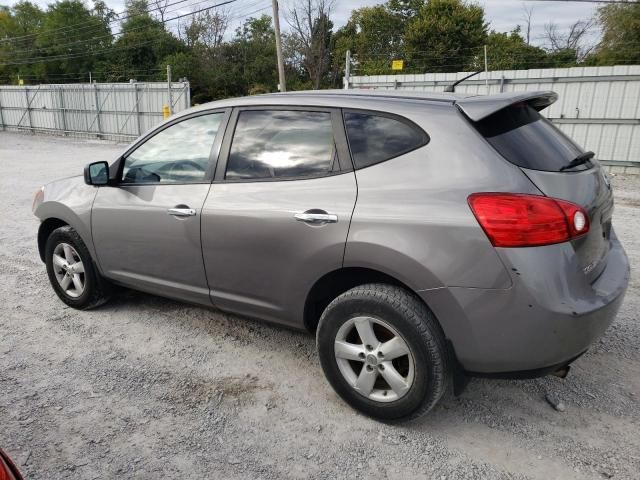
[71,271]
[383,352]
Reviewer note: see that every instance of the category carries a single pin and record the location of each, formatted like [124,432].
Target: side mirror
[96,173]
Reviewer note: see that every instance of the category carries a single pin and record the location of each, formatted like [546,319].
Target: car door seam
[353,210]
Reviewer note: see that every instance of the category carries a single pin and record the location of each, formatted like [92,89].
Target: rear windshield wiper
[579,160]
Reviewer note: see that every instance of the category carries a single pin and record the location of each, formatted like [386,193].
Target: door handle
[316,218]
[182,212]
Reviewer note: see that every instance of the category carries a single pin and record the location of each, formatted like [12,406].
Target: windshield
[527,139]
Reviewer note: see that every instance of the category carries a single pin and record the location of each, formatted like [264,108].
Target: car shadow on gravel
[131,299]
[184,320]
[586,387]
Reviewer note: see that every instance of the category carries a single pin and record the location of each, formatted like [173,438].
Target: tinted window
[178,154]
[525,138]
[374,138]
[281,144]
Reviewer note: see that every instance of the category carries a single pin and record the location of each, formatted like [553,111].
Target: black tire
[416,325]
[96,289]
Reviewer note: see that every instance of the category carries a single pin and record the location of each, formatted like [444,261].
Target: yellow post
[165,111]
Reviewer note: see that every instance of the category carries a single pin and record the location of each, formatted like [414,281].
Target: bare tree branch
[526,16]
[311,36]
[161,6]
[574,39]
[207,29]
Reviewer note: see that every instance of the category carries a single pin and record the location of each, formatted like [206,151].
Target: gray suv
[423,238]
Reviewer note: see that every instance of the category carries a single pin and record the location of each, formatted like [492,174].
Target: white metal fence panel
[113,111]
[599,107]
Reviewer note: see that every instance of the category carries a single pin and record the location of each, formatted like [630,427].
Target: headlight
[38,196]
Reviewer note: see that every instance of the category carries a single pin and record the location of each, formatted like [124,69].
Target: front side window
[376,138]
[178,154]
[281,144]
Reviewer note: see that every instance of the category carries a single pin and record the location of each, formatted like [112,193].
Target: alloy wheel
[69,270]
[374,359]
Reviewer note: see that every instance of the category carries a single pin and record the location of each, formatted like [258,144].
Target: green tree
[405,9]
[73,38]
[19,27]
[445,36]
[510,51]
[253,54]
[620,35]
[143,44]
[27,19]
[374,35]
[204,53]
[217,69]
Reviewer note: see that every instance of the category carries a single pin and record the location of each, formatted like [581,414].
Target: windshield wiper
[579,160]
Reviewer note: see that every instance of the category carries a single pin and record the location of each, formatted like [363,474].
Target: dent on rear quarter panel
[412,219]
[70,200]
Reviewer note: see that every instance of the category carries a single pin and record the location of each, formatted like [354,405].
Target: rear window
[527,139]
[376,138]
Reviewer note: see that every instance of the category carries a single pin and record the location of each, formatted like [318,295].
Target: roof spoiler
[481,106]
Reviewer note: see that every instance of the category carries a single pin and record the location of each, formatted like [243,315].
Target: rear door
[525,138]
[278,214]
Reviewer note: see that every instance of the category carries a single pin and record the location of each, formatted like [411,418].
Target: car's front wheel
[71,271]
[383,352]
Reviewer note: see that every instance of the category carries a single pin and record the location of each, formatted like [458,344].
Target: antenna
[452,88]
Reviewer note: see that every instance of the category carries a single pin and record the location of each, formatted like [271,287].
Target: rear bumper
[527,374]
[547,318]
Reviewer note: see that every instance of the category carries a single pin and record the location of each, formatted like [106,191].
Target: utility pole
[347,70]
[486,70]
[169,89]
[276,25]
[90,77]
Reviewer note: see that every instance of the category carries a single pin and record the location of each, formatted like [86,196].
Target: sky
[502,15]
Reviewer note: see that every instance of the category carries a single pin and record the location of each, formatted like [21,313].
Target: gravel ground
[146,387]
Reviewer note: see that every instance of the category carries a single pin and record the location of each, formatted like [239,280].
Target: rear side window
[376,138]
[272,144]
[527,139]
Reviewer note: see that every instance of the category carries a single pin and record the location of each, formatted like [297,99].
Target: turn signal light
[522,220]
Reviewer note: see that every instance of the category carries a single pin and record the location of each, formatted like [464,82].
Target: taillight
[521,220]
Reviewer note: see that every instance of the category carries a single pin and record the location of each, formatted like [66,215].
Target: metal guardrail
[111,111]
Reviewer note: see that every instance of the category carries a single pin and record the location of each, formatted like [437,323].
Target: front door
[146,229]
[278,214]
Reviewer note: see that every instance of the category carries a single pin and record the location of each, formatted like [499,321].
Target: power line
[67,28]
[83,42]
[129,47]
[45,59]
